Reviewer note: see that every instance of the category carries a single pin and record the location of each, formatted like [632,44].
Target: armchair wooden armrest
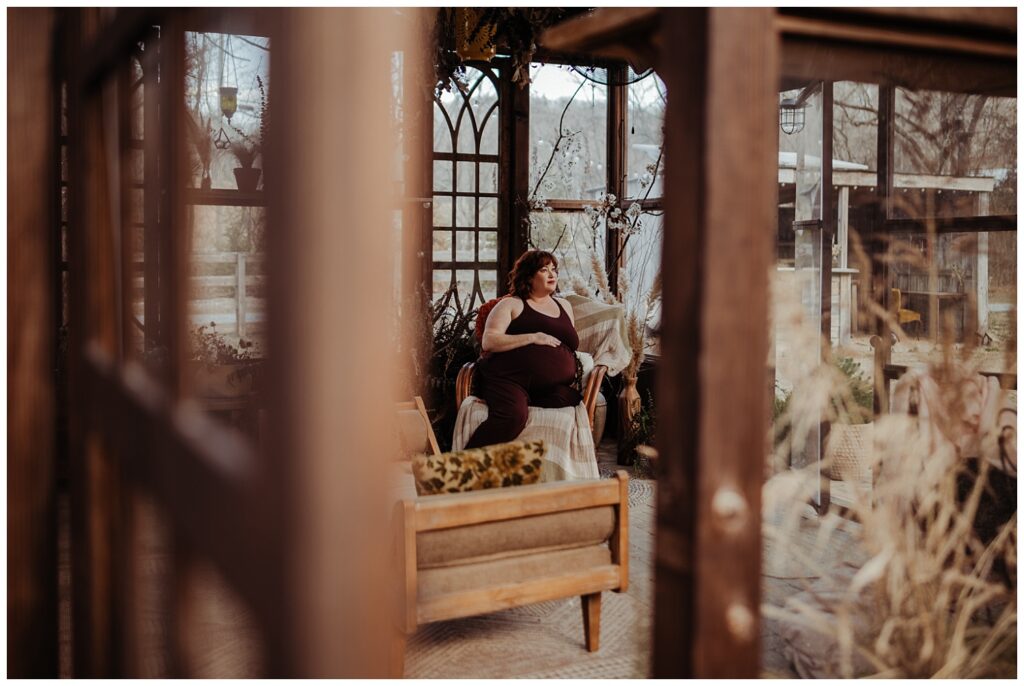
[464,383]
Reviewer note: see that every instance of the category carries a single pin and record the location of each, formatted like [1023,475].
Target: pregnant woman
[529,347]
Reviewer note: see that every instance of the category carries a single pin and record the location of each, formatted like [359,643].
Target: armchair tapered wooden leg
[592,620]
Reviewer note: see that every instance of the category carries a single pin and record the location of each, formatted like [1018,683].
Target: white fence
[239,282]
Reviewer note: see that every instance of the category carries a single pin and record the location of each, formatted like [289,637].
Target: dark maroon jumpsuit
[537,375]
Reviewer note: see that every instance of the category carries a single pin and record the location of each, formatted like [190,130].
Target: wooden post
[720,137]
[240,293]
[31,485]
[876,270]
[981,274]
[331,391]
[618,114]
[828,230]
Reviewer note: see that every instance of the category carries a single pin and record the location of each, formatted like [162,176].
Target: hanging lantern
[228,101]
[791,116]
[474,36]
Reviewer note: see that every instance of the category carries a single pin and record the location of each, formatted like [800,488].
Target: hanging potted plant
[479,33]
[247,147]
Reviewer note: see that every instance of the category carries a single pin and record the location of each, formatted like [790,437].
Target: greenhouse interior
[509,342]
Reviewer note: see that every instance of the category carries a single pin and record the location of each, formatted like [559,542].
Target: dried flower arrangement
[515,29]
[919,578]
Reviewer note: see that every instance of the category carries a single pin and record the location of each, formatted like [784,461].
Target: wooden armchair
[472,553]
[591,386]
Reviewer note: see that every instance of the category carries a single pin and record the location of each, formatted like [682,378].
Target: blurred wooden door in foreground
[171,506]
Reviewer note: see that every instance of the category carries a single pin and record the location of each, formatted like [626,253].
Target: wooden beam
[31,477]
[722,136]
[838,27]
[629,33]
[996,222]
[807,57]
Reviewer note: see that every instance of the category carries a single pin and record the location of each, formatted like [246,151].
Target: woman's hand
[541,338]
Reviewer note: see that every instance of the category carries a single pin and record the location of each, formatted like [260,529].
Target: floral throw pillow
[493,466]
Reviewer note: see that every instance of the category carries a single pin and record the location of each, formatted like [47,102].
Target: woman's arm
[495,339]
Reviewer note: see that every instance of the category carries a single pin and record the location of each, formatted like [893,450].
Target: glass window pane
[442,210]
[443,126]
[489,212]
[577,166]
[442,280]
[442,242]
[488,245]
[577,240]
[488,177]
[218,144]
[465,212]
[956,154]
[442,176]
[489,283]
[465,248]
[467,177]
[645,162]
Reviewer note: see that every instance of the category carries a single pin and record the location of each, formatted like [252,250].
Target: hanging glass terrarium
[229,101]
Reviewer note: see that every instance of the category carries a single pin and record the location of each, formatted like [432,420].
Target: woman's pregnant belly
[537,366]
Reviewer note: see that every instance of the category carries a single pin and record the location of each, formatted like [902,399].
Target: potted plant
[219,369]
[248,146]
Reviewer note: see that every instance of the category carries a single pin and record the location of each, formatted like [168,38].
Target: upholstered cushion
[494,466]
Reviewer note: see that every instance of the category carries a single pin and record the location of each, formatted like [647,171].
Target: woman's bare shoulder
[564,302]
[513,306]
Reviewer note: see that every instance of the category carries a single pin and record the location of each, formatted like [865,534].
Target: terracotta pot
[247,178]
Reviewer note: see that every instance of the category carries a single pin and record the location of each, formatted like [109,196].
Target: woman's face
[545,281]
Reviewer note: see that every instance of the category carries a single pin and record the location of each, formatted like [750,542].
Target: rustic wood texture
[498,504]
[500,597]
[615,180]
[715,338]
[810,57]
[97,612]
[629,33]
[591,603]
[877,245]
[31,478]
[918,35]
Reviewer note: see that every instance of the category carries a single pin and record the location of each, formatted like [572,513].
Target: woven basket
[847,453]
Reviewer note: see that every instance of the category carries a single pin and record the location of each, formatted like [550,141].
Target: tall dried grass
[930,592]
